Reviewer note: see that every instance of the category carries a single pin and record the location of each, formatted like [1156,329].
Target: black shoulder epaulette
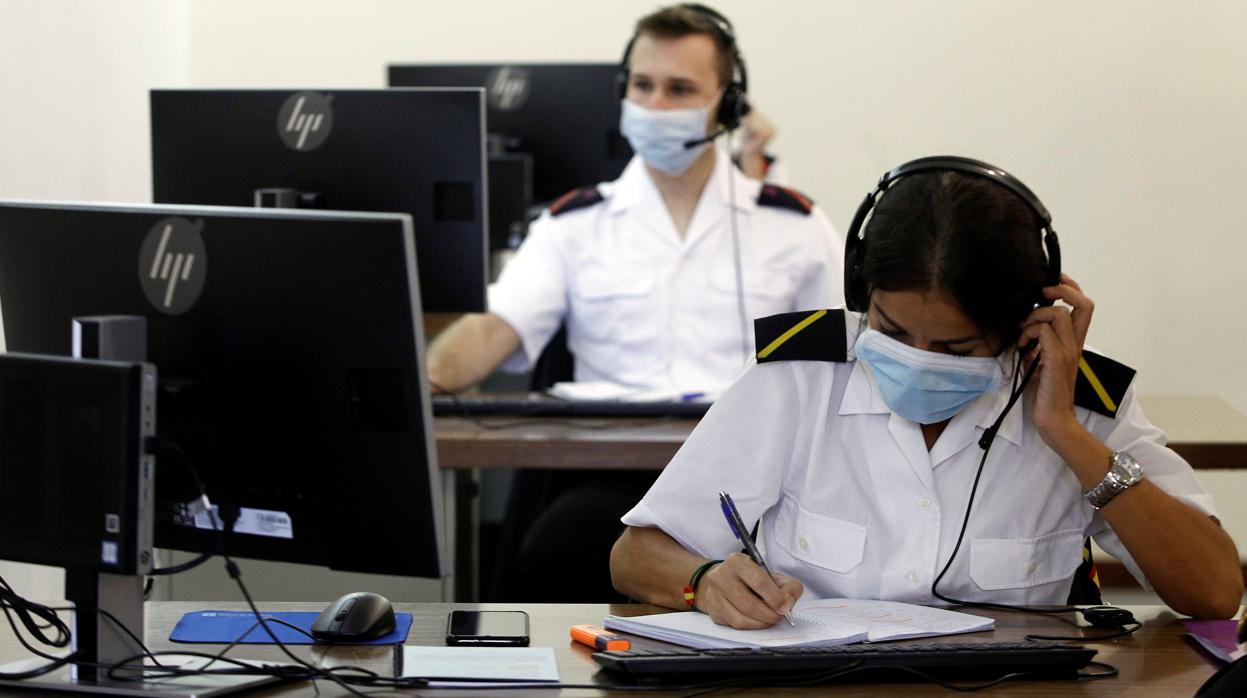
[806,335]
[783,197]
[1101,384]
[574,199]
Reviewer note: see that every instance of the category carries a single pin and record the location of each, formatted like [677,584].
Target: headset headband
[734,104]
[855,244]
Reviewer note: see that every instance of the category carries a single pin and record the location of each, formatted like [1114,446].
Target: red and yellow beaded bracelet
[690,591]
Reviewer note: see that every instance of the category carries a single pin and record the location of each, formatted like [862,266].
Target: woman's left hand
[1060,332]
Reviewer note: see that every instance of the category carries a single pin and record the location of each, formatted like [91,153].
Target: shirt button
[924,504]
[803,543]
[913,577]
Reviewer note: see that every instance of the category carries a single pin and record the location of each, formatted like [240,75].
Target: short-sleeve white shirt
[854,505]
[647,308]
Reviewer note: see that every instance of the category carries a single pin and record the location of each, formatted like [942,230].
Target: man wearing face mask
[659,274]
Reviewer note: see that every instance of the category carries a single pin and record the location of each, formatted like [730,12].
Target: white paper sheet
[478,666]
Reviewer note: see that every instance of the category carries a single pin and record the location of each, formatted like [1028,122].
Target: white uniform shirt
[648,309]
[853,504]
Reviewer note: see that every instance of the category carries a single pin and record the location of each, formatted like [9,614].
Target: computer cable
[1098,616]
[786,681]
[745,353]
[1118,620]
[21,606]
[10,599]
[1109,672]
[219,655]
[162,449]
[11,603]
[231,568]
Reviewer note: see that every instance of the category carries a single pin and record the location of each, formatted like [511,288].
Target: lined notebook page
[889,620]
[819,622]
[697,630]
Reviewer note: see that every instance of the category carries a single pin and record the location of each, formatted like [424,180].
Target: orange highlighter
[599,638]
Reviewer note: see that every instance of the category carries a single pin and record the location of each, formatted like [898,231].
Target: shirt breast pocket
[822,541]
[773,287]
[1019,563]
[610,299]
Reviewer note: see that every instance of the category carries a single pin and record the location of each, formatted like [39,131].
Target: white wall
[73,119]
[1125,117]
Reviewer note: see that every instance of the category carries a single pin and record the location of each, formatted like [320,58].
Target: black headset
[856,295]
[735,103]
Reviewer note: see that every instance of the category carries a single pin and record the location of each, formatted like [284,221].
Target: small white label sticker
[257,522]
[108,553]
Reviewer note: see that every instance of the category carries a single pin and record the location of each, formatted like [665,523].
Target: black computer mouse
[354,618]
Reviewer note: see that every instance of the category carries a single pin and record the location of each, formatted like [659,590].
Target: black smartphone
[487,628]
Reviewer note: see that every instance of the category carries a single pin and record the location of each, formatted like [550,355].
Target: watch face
[1127,468]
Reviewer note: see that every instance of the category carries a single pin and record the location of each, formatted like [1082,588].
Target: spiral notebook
[818,622]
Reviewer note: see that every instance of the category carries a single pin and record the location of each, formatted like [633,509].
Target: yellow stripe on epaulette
[1101,383]
[817,335]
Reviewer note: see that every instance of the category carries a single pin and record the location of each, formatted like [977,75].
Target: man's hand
[756,132]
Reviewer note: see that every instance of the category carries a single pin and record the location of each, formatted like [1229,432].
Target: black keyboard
[541,405]
[942,658]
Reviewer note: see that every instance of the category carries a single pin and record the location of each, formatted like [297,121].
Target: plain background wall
[1124,117]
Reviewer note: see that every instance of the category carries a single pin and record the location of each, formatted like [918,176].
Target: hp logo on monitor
[173,265]
[304,120]
[508,88]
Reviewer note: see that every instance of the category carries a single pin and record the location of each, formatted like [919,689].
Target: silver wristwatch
[1123,473]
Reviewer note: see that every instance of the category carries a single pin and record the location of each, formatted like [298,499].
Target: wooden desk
[1203,429]
[582,443]
[1156,661]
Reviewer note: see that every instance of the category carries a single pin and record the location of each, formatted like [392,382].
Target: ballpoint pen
[737,525]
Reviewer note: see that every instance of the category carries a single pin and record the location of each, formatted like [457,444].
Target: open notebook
[818,622]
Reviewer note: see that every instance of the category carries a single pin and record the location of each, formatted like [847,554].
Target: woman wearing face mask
[855,442]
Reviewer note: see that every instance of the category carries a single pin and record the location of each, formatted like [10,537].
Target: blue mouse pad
[227,626]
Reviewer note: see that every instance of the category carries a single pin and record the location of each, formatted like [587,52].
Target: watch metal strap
[1112,485]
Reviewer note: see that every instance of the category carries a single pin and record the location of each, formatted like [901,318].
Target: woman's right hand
[739,594]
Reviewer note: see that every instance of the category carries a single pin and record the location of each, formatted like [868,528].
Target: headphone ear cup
[854,284]
[855,257]
[1053,249]
[622,75]
[733,107]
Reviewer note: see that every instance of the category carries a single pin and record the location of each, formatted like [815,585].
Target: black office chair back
[555,364]
[532,490]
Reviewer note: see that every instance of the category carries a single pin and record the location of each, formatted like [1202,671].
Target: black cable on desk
[1099,616]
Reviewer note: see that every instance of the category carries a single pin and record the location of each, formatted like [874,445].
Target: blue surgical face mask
[659,135]
[924,386]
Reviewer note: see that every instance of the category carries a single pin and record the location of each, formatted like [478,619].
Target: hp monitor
[289,348]
[565,115]
[414,151]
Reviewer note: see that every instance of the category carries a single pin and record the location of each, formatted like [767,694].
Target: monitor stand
[172,686]
[98,640]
